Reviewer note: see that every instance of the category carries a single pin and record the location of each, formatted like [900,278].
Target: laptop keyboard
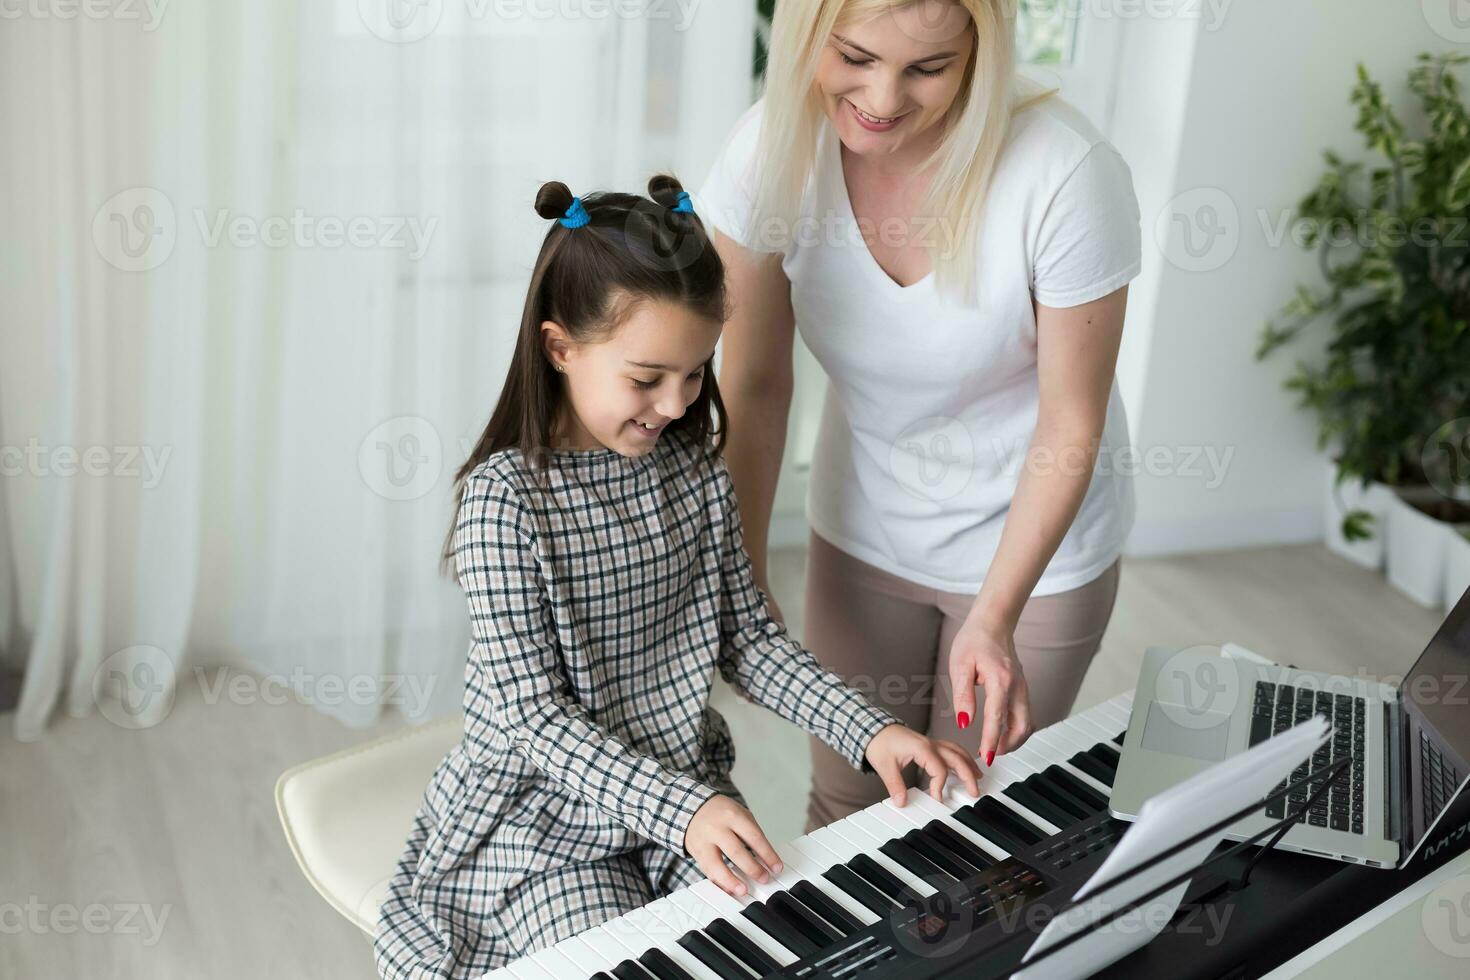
[1438,777]
[1281,706]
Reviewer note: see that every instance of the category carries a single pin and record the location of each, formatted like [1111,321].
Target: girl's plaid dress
[603,596]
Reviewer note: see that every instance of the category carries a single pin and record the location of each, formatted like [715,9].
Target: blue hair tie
[684,205]
[577,215]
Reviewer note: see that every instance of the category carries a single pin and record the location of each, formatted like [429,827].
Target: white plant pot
[1352,495]
[1456,563]
[1417,547]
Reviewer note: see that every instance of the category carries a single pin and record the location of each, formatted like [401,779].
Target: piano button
[779,930]
[915,863]
[1078,788]
[657,962]
[853,885]
[1339,821]
[743,948]
[729,911]
[959,844]
[882,879]
[1084,762]
[940,856]
[806,920]
[814,898]
[714,957]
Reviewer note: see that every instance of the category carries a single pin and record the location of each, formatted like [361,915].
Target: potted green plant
[1393,247]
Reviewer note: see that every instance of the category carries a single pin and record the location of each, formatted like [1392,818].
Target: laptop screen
[1437,693]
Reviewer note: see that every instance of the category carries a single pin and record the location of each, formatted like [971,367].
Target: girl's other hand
[896,746]
[723,829]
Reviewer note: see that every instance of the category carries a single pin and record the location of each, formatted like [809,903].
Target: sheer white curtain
[262,271]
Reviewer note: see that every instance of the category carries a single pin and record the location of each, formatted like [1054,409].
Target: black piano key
[880,878]
[599,975]
[1037,804]
[1106,756]
[1088,764]
[914,863]
[988,829]
[630,970]
[859,890]
[811,896]
[958,843]
[1053,791]
[778,929]
[1118,738]
[804,920]
[756,959]
[940,856]
[657,962]
[1079,789]
[715,959]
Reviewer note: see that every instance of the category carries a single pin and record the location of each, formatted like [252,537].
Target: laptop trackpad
[1202,738]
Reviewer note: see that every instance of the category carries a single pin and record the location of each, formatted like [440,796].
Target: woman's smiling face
[885,81]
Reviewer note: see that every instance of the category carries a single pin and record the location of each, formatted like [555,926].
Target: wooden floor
[158,854]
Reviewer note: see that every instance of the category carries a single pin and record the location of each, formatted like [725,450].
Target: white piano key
[870,833]
[603,942]
[926,808]
[524,969]
[810,861]
[665,938]
[1116,715]
[730,910]
[587,960]
[1093,731]
[553,962]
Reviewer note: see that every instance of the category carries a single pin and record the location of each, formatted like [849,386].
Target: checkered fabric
[603,597]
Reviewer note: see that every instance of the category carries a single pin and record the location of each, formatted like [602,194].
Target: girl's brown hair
[588,279]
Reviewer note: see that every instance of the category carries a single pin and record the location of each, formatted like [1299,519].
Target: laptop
[1409,743]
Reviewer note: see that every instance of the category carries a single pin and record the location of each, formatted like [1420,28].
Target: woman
[956,256]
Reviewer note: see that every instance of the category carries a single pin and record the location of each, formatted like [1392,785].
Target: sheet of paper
[1164,820]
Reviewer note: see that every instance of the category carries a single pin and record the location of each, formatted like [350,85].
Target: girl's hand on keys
[724,829]
[896,746]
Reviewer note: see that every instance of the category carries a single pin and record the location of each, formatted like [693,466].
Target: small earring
[560,369]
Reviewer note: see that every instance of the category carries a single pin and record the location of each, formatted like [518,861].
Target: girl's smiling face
[886,81]
[623,389]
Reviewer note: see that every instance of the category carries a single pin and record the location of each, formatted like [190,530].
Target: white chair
[347,815]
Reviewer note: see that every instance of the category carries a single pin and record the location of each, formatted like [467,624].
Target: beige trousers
[890,639]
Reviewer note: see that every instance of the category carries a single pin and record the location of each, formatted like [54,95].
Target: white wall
[1264,93]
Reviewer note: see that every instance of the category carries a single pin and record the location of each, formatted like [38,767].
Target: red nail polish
[964,719]
[990,757]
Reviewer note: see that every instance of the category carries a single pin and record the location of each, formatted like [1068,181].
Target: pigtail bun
[665,189]
[553,199]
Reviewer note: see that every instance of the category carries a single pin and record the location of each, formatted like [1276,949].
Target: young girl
[599,546]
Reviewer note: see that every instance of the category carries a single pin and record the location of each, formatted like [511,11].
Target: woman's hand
[985,654]
[721,829]
[896,746]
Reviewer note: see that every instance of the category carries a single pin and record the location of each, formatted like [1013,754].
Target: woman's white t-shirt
[931,404]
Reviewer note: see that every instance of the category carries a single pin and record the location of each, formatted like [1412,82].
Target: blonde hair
[974,128]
